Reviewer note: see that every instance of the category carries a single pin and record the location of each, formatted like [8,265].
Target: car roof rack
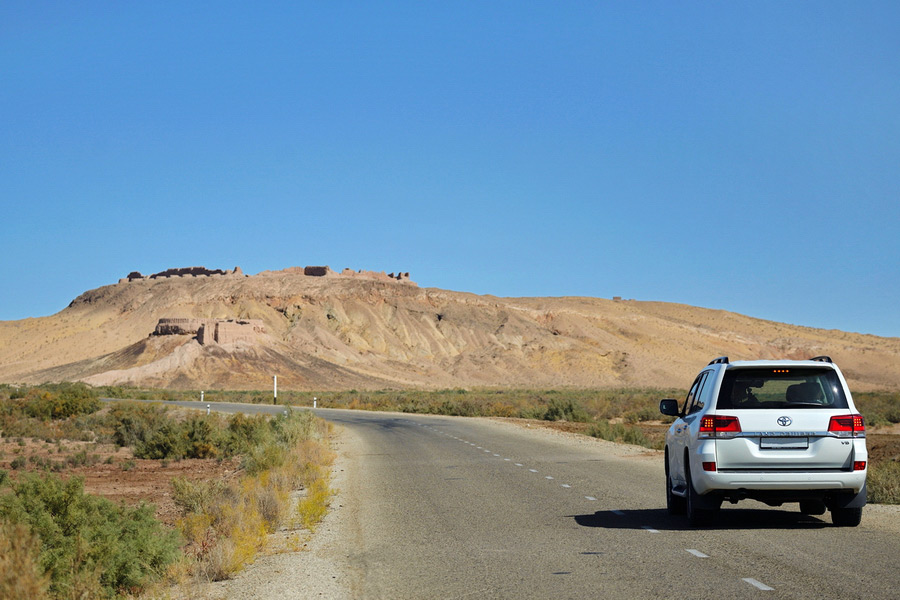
[722,360]
[823,359]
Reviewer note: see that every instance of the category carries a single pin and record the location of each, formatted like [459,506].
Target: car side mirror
[669,407]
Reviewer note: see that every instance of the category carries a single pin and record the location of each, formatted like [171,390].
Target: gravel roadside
[314,572]
[323,569]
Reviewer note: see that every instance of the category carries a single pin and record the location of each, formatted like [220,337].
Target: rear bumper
[779,482]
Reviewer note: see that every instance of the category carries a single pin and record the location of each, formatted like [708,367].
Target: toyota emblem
[784,421]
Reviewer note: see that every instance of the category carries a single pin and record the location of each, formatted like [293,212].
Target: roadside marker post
[274,389]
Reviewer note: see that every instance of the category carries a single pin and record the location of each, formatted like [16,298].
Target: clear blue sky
[734,155]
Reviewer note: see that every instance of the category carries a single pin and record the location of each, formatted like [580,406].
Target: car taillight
[859,465]
[847,426]
[709,466]
[719,426]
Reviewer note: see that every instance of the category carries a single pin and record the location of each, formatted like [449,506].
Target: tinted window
[691,394]
[696,403]
[781,388]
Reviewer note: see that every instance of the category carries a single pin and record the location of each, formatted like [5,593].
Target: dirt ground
[113,472]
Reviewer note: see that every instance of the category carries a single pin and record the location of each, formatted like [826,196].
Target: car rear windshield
[781,387]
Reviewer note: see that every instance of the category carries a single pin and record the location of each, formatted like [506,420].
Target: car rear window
[781,387]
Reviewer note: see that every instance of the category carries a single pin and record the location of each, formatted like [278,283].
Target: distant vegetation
[623,415]
[56,541]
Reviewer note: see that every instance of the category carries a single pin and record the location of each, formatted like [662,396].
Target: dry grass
[314,506]
[884,482]
[226,524]
[20,575]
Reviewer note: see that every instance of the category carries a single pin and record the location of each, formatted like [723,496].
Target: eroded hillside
[341,332]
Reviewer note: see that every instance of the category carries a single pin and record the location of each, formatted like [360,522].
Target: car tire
[674,504]
[846,517]
[696,515]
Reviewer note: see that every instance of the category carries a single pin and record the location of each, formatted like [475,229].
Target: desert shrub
[227,532]
[640,415]
[21,577]
[133,423]
[60,401]
[313,507]
[878,408]
[617,432]
[167,441]
[245,432]
[565,410]
[89,546]
[883,482]
[292,427]
[81,458]
[263,458]
[201,438]
[196,496]
[226,523]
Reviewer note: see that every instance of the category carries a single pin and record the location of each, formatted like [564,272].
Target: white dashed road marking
[533,470]
[591,498]
[548,477]
[758,584]
[697,553]
[566,485]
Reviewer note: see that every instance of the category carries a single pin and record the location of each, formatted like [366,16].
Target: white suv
[773,430]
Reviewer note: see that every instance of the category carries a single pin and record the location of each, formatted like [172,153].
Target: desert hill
[318,329]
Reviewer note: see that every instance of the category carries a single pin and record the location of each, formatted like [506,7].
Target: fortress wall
[208,331]
[177,326]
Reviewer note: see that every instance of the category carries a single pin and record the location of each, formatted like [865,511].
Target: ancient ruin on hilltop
[377,276]
[183,272]
[310,271]
[326,271]
[208,331]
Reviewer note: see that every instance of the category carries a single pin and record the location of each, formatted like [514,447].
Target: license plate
[785,443]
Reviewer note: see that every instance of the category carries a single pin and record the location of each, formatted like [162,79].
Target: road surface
[444,507]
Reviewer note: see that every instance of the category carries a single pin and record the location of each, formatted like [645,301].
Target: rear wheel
[846,517]
[695,514]
[674,504]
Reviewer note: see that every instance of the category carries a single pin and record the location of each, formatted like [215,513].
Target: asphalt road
[442,507]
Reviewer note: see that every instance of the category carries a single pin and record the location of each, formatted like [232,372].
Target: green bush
[878,408]
[617,432]
[60,401]
[566,410]
[202,439]
[166,442]
[245,432]
[133,423]
[89,546]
